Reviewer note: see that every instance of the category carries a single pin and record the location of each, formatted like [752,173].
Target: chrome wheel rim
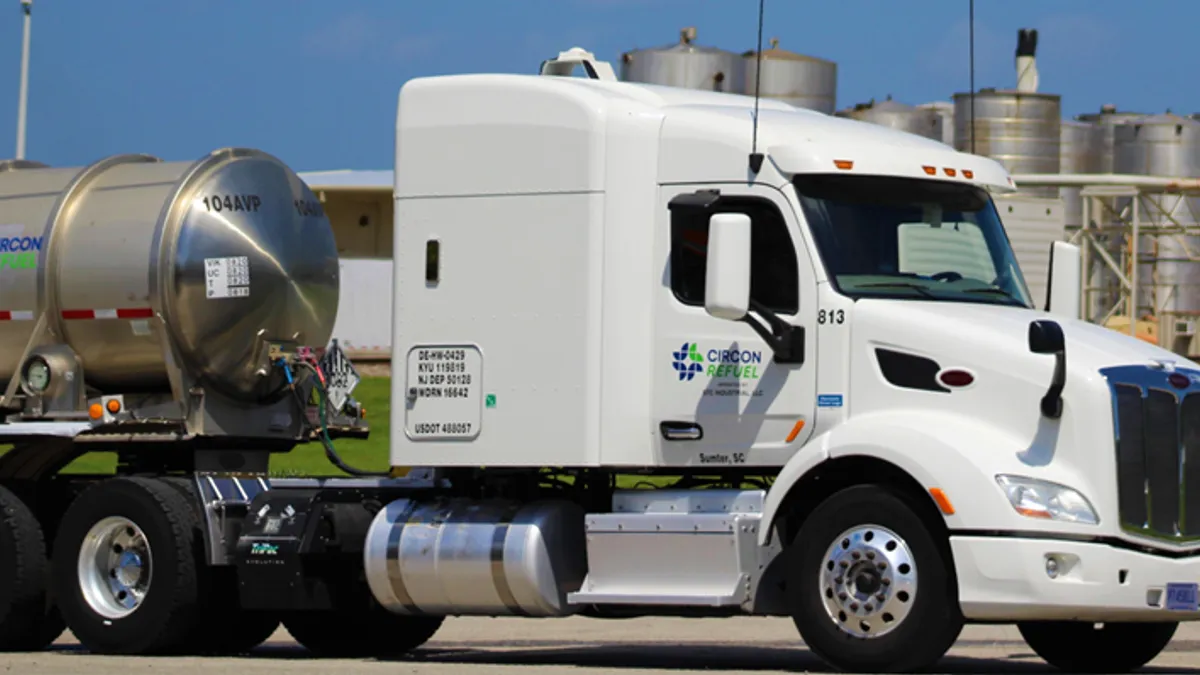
[868,581]
[114,567]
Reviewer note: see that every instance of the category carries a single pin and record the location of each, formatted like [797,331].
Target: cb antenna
[756,157]
[971,58]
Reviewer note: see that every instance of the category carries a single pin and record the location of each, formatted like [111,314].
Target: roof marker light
[967,173]
[843,164]
[950,172]
[930,170]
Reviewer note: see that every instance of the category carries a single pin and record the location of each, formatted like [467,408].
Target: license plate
[1182,597]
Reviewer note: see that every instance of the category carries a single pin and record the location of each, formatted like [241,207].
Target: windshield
[910,238]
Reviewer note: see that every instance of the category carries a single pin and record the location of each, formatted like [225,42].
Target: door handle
[681,431]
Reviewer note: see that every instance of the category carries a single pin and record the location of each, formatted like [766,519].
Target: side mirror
[1064,285]
[727,272]
[1046,337]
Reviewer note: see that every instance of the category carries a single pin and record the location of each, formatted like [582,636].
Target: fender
[959,455]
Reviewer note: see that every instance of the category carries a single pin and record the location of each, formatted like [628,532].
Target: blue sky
[316,82]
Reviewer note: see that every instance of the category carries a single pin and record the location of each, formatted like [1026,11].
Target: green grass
[309,459]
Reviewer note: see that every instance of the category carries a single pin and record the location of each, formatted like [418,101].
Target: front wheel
[1076,646]
[870,588]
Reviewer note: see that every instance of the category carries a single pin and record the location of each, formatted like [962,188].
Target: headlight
[1049,501]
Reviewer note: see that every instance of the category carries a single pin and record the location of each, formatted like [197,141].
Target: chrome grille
[1157,431]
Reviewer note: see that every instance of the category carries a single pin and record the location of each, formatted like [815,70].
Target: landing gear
[1076,647]
[126,567]
[869,586]
[28,622]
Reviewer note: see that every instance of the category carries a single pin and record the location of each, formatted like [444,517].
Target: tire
[1076,646]
[348,634]
[847,626]
[28,619]
[150,529]
[228,629]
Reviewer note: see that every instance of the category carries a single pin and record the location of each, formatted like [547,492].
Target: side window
[774,277]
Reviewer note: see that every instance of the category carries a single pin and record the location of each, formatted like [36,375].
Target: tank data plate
[444,392]
[227,277]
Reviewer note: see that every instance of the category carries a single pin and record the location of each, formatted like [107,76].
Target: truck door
[720,398]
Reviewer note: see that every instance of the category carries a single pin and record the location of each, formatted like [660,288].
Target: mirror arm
[1046,337]
[1052,405]
[786,340]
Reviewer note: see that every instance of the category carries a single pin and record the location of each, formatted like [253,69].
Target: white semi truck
[656,352]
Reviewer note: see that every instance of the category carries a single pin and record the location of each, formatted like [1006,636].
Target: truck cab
[826,315]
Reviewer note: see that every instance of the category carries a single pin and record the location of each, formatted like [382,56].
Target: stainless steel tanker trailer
[148,309]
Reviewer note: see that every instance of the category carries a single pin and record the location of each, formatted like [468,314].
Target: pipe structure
[1164,183]
[23,96]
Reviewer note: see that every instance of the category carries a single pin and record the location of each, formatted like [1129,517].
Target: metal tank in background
[685,64]
[796,79]
[945,110]
[888,113]
[1169,248]
[15,164]
[1019,129]
[1106,120]
[1106,287]
[177,281]
[1079,152]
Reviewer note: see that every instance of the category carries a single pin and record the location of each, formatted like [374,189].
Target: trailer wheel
[869,586]
[125,567]
[1077,646]
[347,634]
[28,620]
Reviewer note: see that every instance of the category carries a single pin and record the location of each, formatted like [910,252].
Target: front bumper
[1005,579]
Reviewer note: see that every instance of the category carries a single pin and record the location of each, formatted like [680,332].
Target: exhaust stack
[1027,74]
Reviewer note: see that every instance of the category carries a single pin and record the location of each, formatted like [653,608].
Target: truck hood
[997,419]
[995,424]
[973,333]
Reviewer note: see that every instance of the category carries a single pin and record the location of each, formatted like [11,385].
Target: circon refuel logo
[687,361]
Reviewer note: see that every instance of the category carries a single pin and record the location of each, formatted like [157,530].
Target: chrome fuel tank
[142,266]
[462,557]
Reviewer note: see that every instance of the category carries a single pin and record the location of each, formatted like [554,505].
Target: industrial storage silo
[686,65]
[1079,152]
[888,113]
[15,164]
[1166,145]
[945,110]
[1108,118]
[1019,129]
[795,79]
